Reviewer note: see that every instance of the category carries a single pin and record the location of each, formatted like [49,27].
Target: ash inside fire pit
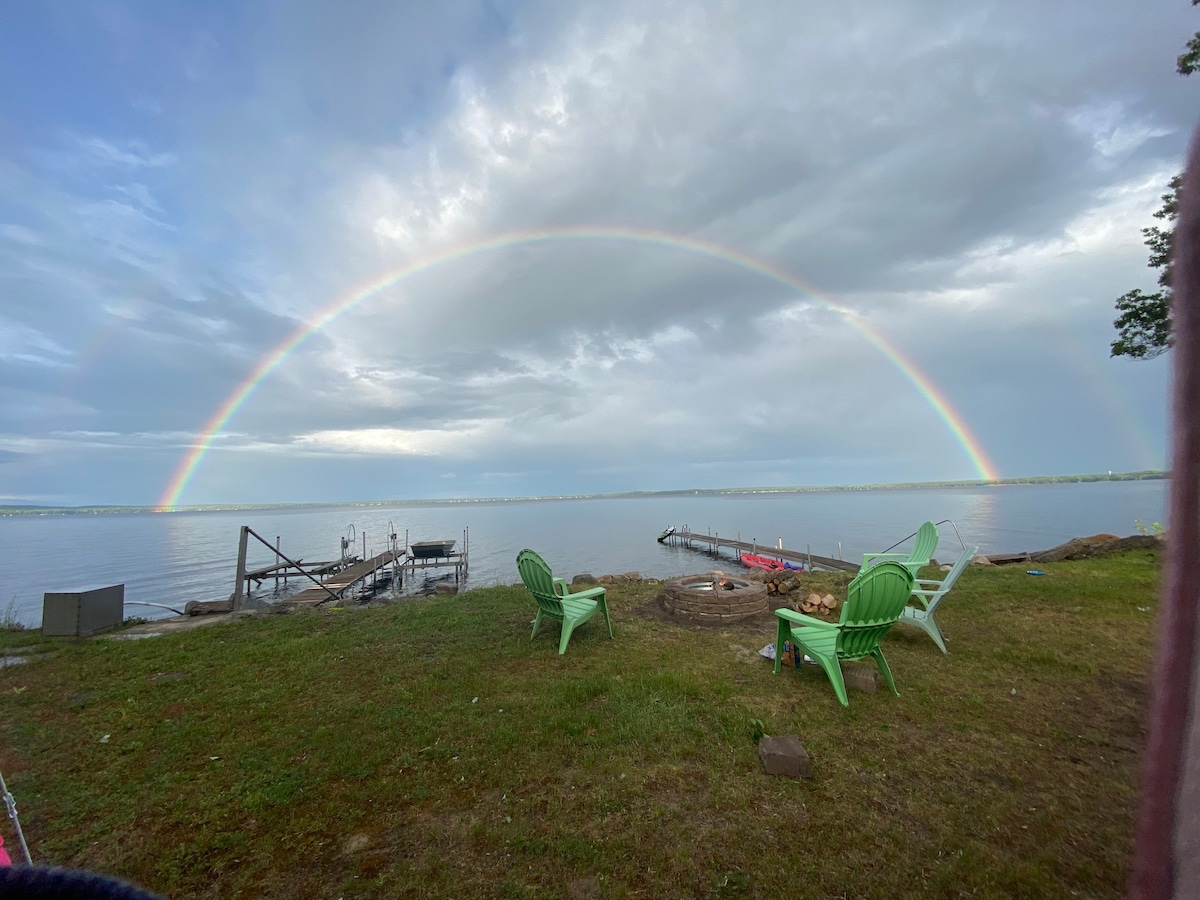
[714,598]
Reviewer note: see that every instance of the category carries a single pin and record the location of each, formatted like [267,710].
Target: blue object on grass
[1035,572]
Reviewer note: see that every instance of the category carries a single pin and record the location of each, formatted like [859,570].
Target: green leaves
[1144,325]
[757,729]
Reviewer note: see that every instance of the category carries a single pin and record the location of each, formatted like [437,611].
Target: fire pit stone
[714,598]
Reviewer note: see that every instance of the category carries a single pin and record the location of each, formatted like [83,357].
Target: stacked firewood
[816,605]
[781,582]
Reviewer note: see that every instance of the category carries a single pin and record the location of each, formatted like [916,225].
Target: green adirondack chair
[929,593]
[555,600]
[916,559]
[874,601]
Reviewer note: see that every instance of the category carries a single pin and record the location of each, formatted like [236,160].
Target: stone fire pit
[714,598]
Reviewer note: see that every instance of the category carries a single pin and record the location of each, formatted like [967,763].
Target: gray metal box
[81,613]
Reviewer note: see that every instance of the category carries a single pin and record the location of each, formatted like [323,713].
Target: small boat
[432,549]
[666,534]
[754,561]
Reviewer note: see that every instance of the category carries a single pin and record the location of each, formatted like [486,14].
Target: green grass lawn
[430,749]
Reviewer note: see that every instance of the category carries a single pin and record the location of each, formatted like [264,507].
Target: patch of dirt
[1136,688]
[173,624]
[584,889]
[356,844]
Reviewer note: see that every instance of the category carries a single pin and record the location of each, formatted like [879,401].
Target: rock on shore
[1097,545]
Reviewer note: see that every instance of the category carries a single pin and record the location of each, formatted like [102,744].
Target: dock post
[241,569]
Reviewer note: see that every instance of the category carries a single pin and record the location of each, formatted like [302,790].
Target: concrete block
[861,678]
[785,755]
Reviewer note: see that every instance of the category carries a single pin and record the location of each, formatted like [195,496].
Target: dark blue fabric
[46,883]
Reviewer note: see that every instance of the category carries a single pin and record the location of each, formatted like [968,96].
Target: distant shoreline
[22,510]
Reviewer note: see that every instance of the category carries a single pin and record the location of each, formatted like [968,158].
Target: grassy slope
[432,749]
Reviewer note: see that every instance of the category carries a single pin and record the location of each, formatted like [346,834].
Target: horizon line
[1141,474]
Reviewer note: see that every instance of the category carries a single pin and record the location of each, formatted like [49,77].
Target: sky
[303,251]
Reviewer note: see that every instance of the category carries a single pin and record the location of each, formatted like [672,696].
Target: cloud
[969,183]
[130,154]
[19,344]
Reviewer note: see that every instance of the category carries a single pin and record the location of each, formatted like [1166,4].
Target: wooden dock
[331,581]
[282,571]
[337,584]
[712,543]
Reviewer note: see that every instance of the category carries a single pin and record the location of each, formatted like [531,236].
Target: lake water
[177,557]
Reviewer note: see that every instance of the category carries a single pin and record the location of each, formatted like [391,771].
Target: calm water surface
[177,557]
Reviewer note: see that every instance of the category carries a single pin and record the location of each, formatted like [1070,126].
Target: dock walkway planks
[344,580]
[259,575]
[799,556]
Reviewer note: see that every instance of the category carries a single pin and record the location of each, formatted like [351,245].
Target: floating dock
[712,544]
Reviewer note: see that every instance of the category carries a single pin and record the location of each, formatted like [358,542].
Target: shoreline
[1075,549]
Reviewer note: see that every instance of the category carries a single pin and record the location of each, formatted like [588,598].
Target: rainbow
[269,362]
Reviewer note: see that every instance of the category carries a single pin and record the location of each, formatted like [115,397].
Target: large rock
[583,579]
[1087,548]
[207,607]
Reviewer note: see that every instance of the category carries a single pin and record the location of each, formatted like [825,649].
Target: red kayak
[754,561]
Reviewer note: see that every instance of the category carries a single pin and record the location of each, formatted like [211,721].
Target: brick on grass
[785,755]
